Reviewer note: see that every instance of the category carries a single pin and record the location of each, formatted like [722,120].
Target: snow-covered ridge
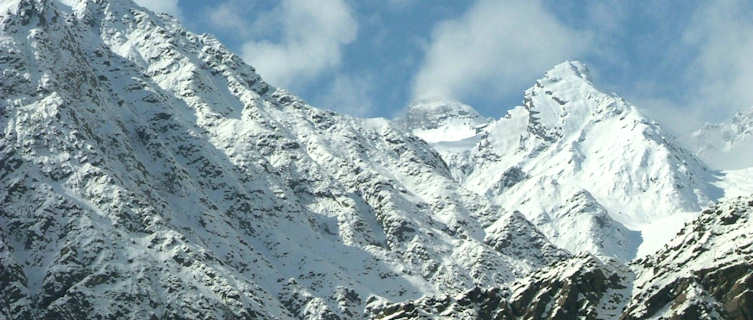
[146,171]
[726,145]
[441,120]
[705,271]
[586,167]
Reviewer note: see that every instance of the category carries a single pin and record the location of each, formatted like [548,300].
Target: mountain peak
[438,119]
[726,145]
[437,104]
[571,69]
[564,99]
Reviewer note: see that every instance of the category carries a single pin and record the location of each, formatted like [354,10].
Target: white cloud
[492,48]
[350,95]
[227,15]
[167,6]
[718,79]
[722,72]
[313,36]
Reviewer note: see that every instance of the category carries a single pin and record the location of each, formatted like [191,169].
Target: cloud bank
[717,78]
[313,34]
[722,34]
[350,94]
[493,48]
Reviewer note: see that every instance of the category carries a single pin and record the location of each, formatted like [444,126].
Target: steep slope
[146,171]
[726,145]
[705,272]
[587,168]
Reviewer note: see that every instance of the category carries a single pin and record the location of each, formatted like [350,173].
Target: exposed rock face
[705,272]
[583,288]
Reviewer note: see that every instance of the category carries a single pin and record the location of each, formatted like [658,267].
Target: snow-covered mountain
[726,145]
[451,127]
[703,273]
[586,167]
[147,172]
[442,120]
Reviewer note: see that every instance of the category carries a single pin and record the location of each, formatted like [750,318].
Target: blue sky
[372,58]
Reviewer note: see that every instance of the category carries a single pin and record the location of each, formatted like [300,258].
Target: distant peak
[438,104]
[569,70]
[440,120]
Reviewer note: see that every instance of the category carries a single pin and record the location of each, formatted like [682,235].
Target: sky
[682,62]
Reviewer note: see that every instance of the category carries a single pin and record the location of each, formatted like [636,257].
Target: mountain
[147,172]
[451,127]
[586,167]
[726,145]
[703,273]
[441,120]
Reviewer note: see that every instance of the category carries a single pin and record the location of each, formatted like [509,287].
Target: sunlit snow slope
[585,167]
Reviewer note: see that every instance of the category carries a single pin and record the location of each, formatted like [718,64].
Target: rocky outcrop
[704,272]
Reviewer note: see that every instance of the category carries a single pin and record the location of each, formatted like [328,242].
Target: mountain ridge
[727,144]
[148,172]
[558,150]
